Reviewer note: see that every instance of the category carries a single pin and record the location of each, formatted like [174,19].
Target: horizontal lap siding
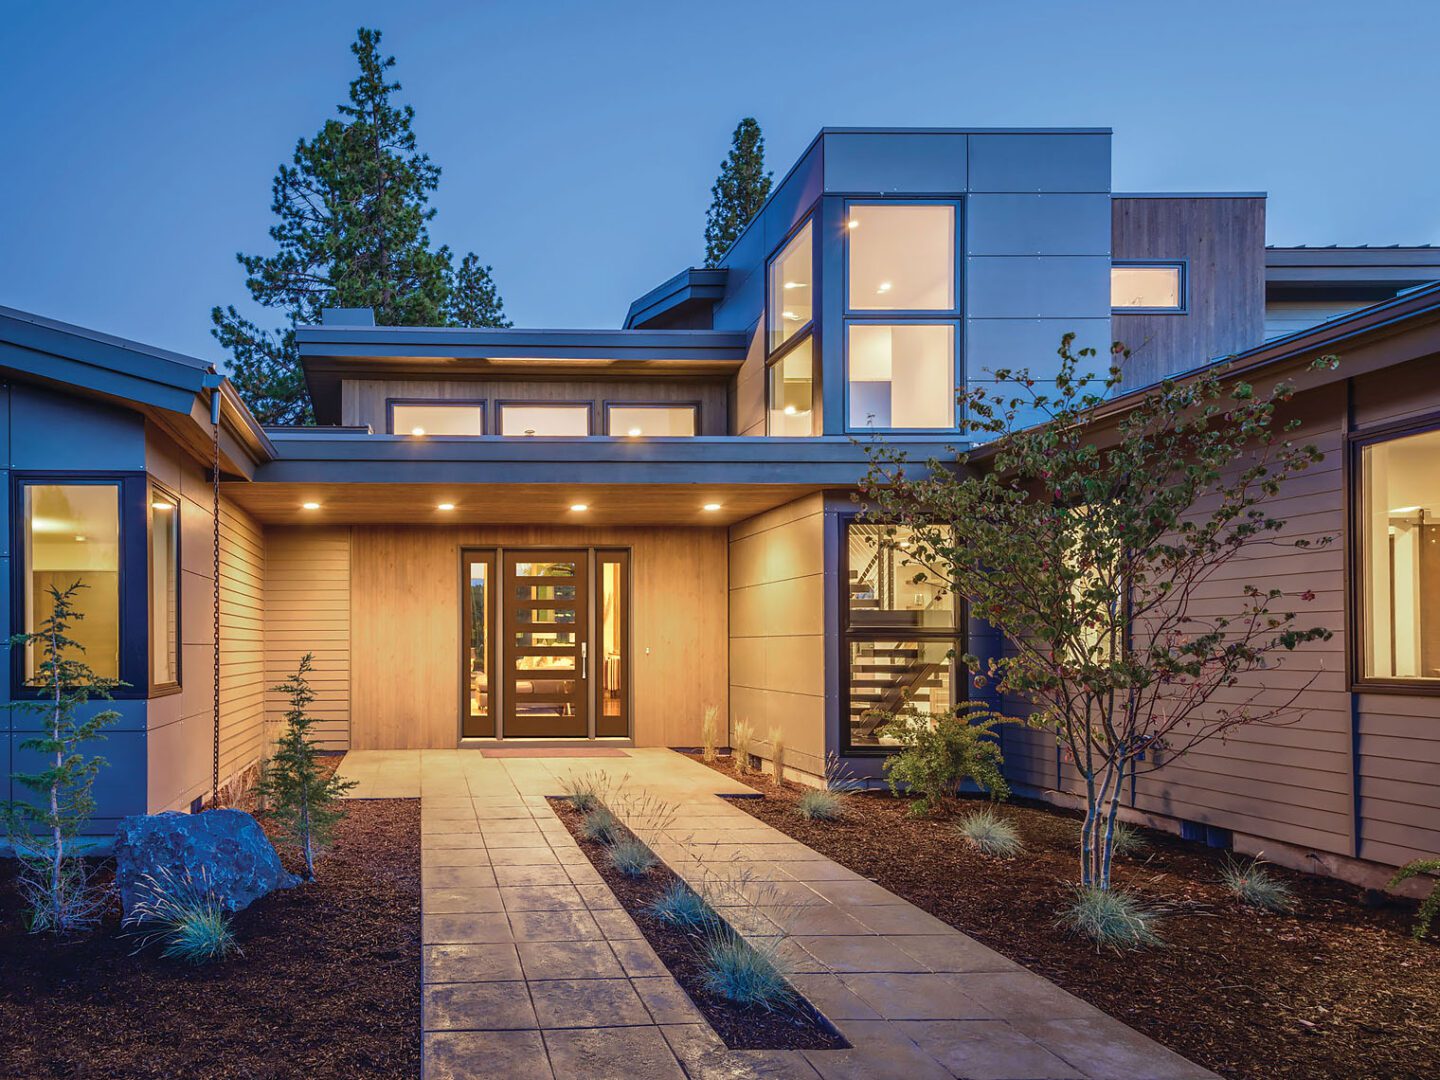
[242,639]
[307,609]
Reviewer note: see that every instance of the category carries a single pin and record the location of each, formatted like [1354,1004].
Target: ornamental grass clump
[1251,883]
[708,732]
[817,805]
[679,905]
[183,913]
[601,826]
[742,736]
[745,973]
[990,834]
[777,753]
[1430,906]
[587,791]
[631,857]
[1111,918]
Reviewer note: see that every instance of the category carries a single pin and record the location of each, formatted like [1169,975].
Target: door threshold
[533,744]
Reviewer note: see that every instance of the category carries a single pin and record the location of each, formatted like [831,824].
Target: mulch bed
[329,985]
[1338,988]
[796,1027]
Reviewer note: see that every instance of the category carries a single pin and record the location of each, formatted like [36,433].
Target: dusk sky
[579,140]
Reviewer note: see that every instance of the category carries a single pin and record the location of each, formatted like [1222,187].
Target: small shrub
[586,792]
[817,805]
[742,736]
[185,916]
[631,857]
[1255,886]
[745,973]
[990,834]
[1430,907]
[941,751]
[708,733]
[1110,917]
[601,826]
[777,753]
[680,905]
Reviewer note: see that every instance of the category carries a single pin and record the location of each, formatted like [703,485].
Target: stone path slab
[532,969]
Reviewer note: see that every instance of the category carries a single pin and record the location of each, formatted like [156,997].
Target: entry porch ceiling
[510,504]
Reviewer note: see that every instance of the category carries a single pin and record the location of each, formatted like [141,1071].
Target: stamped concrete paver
[531,968]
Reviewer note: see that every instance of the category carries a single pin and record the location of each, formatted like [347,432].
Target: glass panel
[544,592]
[889,587]
[545,616]
[437,419]
[164,590]
[544,569]
[1400,545]
[792,281]
[638,420]
[547,639]
[612,721]
[1145,287]
[544,420]
[885,674]
[902,258]
[792,391]
[479,658]
[545,663]
[902,376]
[72,534]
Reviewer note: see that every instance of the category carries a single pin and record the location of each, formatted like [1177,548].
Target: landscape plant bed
[328,986]
[795,1026]
[1338,988]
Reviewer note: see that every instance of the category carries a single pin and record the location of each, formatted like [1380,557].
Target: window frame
[778,358]
[133,578]
[1182,265]
[1353,533]
[804,329]
[164,689]
[479,403]
[958,636]
[956,373]
[957,259]
[502,404]
[695,407]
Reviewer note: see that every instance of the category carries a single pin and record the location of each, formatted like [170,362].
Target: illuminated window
[641,420]
[1400,557]
[902,257]
[427,419]
[792,391]
[902,375]
[545,420]
[1147,288]
[164,588]
[792,285]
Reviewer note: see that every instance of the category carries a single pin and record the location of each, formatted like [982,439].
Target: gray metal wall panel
[792,200]
[1038,225]
[120,786]
[1040,163]
[1069,287]
[51,431]
[1029,343]
[901,162]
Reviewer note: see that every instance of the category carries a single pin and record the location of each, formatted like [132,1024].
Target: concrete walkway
[532,969]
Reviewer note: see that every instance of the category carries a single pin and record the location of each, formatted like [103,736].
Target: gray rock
[238,861]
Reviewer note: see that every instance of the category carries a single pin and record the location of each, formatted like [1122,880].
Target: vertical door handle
[584,659]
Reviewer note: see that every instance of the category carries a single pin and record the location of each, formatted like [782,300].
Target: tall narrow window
[164,589]
[613,720]
[72,536]
[1400,557]
[479,601]
[792,391]
[791,305]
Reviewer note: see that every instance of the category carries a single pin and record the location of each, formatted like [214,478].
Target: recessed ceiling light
[853,223]
[79,539]
[160,504]
[883,287]
[634,431]
[1405,510]
[417,431]
[578,507]
[310,506]
[712,507]
[790,410]
[445,506]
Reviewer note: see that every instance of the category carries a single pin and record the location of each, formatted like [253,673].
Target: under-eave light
[445,506]
[310,506]
[711,507]
[579,507]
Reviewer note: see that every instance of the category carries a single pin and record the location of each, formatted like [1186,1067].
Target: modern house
[591,536]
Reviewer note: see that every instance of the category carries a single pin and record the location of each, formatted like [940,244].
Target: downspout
[214,381]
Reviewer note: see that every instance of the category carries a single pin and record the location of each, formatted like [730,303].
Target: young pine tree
[45,831]
[739,191]
[352,213]
[302,798]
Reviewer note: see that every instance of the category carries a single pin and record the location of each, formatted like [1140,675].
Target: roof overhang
[690,294]
[1358,273]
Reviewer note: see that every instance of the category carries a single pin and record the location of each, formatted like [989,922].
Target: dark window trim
[808,327]
[167,688]
[490,556]
[956,254]
[502,405]
[133,489]
[777,357]
[390,404]
[957,375]
[1183,265]
[957,636]
[694,407]
[1354,564]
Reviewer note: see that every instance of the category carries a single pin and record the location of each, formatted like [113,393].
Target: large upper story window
[902,375]
[902,257]
[1399,531]
[791,304]
[526,419]
[437,418]
[636,421]
[1151,287]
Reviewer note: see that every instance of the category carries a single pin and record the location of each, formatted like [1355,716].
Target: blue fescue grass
[631,857]
[184,915]
[817,805]
[1251,883]
[1111,918]
[745,973]
[990,834]
[679,905]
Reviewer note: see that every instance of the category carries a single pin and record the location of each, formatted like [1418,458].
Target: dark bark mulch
[329,984]
[1337,988]
[795,1027]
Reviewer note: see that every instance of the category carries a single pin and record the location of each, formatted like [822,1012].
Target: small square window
[902,375]
[902,257]
[1147,288]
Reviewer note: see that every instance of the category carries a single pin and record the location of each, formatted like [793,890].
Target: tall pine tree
[739,191]
[353,209]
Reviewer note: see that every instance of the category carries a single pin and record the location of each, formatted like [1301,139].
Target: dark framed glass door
[544,644]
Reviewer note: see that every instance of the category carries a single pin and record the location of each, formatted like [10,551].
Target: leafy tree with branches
[1095,542]
[739,191]
[352,231]
[301,796]
[45,831]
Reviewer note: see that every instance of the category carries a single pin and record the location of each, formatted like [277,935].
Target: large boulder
[237,860]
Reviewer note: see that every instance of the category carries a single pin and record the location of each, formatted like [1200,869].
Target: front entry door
[544,652]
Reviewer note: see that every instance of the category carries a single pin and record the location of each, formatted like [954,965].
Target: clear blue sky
[579,140]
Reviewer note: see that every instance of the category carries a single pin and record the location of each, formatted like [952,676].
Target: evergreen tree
[739,191]
[45,832]
[300,795]
[352,231]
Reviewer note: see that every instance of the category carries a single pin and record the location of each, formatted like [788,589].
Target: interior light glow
[794,284]
[883,287]
[310,506]
[790,315]
[1407,510]
[445,506]
[579,507]
[635,431]
[417,431]
[853,223]
[160,504]
[79,539]
[711,507]
[790,410]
